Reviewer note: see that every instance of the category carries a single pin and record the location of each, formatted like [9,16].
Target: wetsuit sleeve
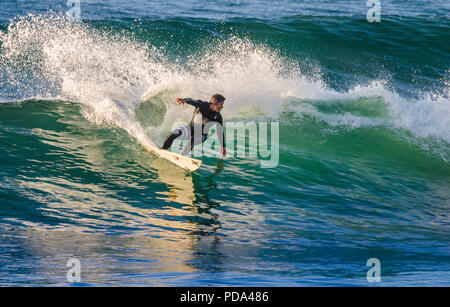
[195,103]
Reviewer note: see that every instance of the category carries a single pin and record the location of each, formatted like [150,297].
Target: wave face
[364,150]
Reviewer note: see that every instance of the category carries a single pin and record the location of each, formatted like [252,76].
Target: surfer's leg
[169,140]
[189,146]
[192,142]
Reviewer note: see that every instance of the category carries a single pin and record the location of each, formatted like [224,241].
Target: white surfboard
[186,163]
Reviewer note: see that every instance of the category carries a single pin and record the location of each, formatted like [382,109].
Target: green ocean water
[363,168]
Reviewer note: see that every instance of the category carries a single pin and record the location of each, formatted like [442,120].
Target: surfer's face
[216,107]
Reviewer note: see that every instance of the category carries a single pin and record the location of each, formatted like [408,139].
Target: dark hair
[216,98]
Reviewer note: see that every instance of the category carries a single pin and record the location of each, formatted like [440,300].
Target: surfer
[197,133]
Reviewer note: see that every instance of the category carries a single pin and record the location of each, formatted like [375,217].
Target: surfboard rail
[189,164]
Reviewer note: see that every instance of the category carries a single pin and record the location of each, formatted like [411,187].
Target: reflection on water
[183,186]
[179,183]
[104,258]
[189,189]
[130,218]
[114,235]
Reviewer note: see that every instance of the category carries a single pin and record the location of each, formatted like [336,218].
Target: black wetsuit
[208,118]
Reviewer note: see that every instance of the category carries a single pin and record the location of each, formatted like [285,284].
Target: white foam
[109,74]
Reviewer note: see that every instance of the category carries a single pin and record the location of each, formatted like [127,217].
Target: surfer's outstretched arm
[192,102]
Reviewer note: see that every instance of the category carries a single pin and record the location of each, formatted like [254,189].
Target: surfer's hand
[224,152]
[181,101]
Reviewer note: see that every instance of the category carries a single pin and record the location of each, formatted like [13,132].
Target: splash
[111,73]
[50,57]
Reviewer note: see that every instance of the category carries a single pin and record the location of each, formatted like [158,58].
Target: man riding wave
[210,112]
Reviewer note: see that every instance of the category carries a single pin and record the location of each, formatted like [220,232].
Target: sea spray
[111,73]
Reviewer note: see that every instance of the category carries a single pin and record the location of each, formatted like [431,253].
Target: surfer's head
[217,102]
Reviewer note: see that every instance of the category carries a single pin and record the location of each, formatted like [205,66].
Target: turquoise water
[363,112]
